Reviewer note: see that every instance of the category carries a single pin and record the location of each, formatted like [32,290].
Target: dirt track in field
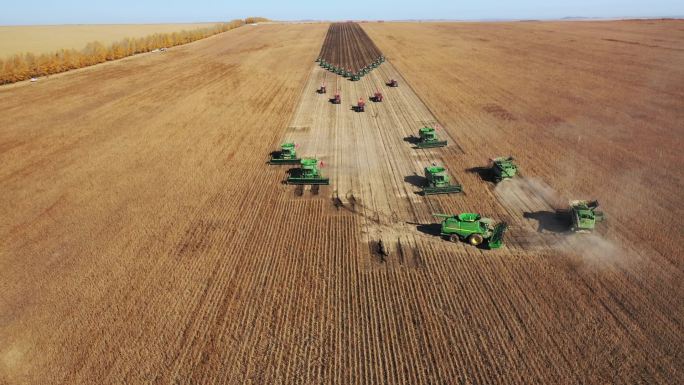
[146,240]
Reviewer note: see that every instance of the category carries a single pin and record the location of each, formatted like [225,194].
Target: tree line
[27,65]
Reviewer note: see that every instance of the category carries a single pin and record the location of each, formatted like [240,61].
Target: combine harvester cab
[584,216]
[286,155]
[472,228]
[308,173]
[503,168]
[427,138]
[438,182]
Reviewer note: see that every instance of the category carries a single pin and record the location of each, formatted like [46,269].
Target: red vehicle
[377,97]
[361,106]
[322,90]
[393,83]
[337,99]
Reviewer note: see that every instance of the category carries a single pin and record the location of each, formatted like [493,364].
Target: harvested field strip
[347,46]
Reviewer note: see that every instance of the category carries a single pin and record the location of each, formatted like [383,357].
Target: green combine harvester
[428,138]
[584,216]
[503,168]
[438,182]
[473,229]
[308,173]
[286,155]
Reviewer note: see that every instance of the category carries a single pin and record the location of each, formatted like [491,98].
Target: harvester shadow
[485,173]
[432,229]
[292,172]
[274,154]
[415,180]
[331,100]
[411,139]
[555,222]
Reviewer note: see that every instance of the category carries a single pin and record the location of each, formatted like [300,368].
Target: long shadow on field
[415,180]
[555,222]
[411,139]
[485,173]
[433,229]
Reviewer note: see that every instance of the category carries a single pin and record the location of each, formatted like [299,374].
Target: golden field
[39,39]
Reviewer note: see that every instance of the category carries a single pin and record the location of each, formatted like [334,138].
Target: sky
[175,11]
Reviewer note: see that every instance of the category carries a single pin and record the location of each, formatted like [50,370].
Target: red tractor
[337,99]
[361,106]
[393,83]
[377,97]
[322,90]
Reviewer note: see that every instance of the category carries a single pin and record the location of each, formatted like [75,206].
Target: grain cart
[438,182]
[308,173]
[503,168]
[286,155]
[428,138]
[472,228]
[584,216]
[393,83]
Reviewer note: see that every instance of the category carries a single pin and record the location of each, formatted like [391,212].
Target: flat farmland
[40,39]
[145,239]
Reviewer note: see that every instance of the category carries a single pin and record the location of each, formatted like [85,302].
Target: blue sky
[168,11]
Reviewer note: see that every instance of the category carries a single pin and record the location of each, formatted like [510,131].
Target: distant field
[48,38]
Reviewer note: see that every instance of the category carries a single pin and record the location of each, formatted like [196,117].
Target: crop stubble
[144,227]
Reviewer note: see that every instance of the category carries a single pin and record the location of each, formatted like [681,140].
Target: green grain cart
[438,182]
[286,155]
[308,173]
[472,228]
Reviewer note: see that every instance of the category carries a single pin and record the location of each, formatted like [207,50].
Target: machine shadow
[551,221]
[485,173]
[415,180]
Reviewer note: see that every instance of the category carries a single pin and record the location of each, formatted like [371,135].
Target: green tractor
[473,229]
[503,168]
[584,216]
[438,182]
[286,155]
[308,173]
[428,138]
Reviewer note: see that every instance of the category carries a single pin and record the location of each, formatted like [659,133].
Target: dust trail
[548,210]
[594,249]
[528,193]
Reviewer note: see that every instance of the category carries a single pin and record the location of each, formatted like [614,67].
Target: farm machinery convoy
[355,57]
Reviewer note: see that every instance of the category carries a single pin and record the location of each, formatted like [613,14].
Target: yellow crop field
[47,38]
